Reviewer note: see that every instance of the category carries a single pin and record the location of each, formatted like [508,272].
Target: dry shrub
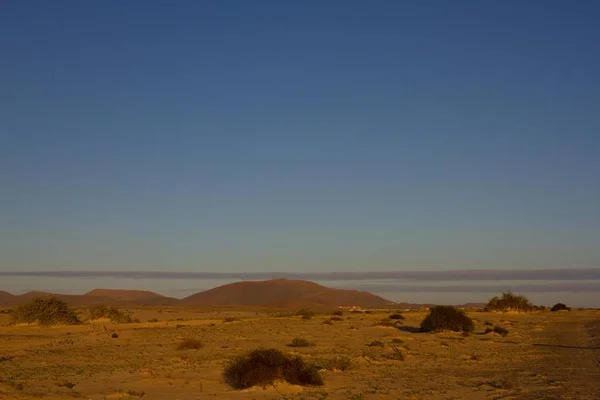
[376,343]
[339,363]
[509,302]
[231,319]
[266,366]
[447,318]
[115,315]
[50,311]
[301,342]
[190,344]
[338,313]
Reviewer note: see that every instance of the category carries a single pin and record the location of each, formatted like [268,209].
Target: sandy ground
[545,356]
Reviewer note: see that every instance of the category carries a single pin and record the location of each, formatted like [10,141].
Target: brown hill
[97,296]
[6,298]
[284,293]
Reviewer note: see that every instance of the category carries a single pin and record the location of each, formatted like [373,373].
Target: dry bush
[51,311]
[560,307]
[447,318]
[190,344]
[266,366]
[327,322]
[338,313]
[509,302]
[339,363]
[301,342]
[376,343]
[231,319]
[115,315]
[336,318]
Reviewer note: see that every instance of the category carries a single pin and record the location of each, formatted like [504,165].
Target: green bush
[509,302]
[115,315]
[560,307]
[301,342]
[442,318]
[266,366]
[50,311]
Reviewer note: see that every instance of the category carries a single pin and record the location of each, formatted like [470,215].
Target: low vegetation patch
[560,307]
[339,313]
[509,302]
[306,313]
[231,319]
[51,311]
[115,315]
[262,367]
[394,323]
[376,343]
[497,329]
[396,316]
[190,344]
[336,318]
[337,363]
[447,318]
[301,342]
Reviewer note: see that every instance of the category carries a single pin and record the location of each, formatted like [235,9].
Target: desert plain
[545,355]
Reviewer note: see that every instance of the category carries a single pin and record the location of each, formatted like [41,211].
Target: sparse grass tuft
[397,341]
[51,311]
[301,342]
[266,366]
[131,393]
[447,318]
[190,344]
[509,302]
[231,319]
[376,343]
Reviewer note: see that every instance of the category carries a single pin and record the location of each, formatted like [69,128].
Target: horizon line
[409,275]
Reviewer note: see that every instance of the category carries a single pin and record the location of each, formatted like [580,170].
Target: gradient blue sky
[238,136]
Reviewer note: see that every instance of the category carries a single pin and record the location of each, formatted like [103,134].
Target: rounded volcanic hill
[284,293]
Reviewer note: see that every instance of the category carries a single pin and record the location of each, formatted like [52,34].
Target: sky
[315,136]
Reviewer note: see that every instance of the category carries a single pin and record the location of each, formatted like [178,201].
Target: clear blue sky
[290,136]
